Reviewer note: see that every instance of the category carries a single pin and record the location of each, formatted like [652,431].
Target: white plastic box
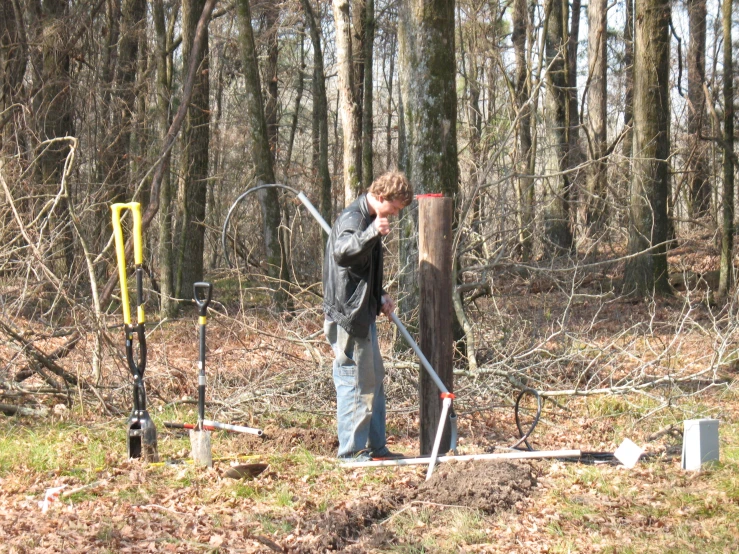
[700,443]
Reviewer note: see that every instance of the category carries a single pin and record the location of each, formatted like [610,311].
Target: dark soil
[342,526]
[490,486]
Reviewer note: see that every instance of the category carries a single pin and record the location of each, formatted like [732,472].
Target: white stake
[447,402]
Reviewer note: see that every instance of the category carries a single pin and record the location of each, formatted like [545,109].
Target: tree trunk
[426,36]
[193,184]
[699,184]
[298,98]
[350,105]
[727,223]
[271,15]
[389,76]
[524,163]
[646,271]
[557,232]
[261,156]
[628,68]
[13,59]
[215,191]
[271,12]
[367,102]
[168,306]
[597,113]
[575,154]
[320,114]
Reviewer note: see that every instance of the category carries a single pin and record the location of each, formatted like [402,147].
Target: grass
[465,526]
[656,507]
[71,448]
[247,490]
[412,528]
[274,524]
[283,497]
[134,495]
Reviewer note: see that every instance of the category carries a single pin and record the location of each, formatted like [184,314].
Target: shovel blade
[200,447]
[245,471]
[141,438]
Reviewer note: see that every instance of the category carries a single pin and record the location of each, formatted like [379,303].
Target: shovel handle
[202,300]
[170,425]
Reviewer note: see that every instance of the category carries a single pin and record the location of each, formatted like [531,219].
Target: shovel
[141,438]
[200,433]
[200,437]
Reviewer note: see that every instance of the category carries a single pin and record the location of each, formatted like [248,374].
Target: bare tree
[368,44]
[270,13]
[597,112]
[261,155]
[320,114]
[646,270]
[557,187]
[698,179]
[193,183]
[525,160]
[54,114]
[727,223]
[164,117]
[427,70]
[13,58]
[351,101]
[628,68]
[114,159]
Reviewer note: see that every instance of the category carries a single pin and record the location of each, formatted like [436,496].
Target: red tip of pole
[447,395]
[430,195]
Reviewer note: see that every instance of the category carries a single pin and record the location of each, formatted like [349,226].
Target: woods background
[582,145]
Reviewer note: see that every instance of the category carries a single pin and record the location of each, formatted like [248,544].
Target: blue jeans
[360,393]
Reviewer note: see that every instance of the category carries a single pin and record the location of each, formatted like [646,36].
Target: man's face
[389,207]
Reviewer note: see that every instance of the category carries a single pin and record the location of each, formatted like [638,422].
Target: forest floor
[275,375]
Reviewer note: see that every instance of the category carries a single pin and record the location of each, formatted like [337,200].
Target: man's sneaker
[385,454]
[361,456]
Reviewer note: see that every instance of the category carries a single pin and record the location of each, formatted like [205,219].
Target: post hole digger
[200,432]
[141,438]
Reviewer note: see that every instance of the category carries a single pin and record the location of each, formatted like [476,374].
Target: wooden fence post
[435,215]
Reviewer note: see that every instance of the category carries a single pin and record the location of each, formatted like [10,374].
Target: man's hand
[388,305]
[382,225]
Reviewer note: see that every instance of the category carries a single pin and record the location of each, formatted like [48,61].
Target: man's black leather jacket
[352,270]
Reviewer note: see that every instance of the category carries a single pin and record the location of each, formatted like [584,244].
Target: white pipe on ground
[502,456]
[234,428]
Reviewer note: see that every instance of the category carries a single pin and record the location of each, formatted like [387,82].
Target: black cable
[525,435]
[236,203]
[585,457]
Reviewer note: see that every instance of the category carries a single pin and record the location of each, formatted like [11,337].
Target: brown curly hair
[393,185]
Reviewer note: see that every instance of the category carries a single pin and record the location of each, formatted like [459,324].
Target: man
[353,298]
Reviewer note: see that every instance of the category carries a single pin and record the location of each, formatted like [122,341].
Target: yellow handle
[120,249]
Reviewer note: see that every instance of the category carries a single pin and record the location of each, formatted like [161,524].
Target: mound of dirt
[490,486]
